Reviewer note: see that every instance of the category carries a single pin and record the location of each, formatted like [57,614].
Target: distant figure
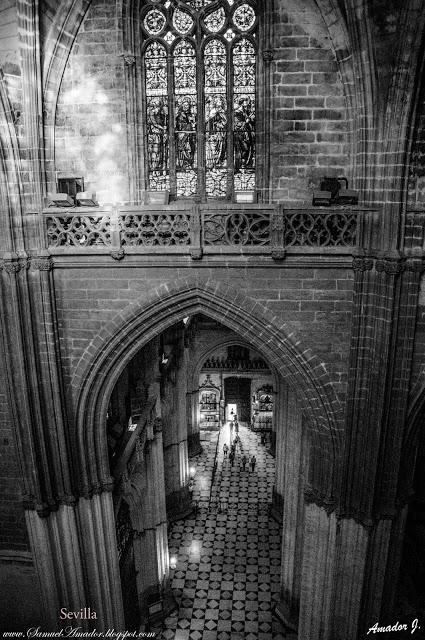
[252,463]
[225,450]
[244,461]
[191,487]
[232,457]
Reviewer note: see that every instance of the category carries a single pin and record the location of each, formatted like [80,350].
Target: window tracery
[199,78]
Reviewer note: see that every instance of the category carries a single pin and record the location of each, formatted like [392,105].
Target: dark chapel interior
[212,318]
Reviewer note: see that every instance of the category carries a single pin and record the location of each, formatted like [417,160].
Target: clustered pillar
[173,408]
[289,488]
[149,519]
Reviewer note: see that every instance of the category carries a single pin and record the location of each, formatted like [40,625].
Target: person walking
[244,461]
[232,457]
[225,450]
[253,462]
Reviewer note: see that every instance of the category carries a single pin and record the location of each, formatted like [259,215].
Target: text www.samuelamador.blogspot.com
[78,632]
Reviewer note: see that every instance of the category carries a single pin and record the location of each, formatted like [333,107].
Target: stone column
[97,531]
[74,551]
[193,432]
[318,565]
[279,418]
[382,569]
[351,557]
[173,398]
[290,465]
[384,318]
[149,519]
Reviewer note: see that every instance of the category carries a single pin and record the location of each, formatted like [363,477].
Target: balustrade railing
[236,227]
[155,228]
[206,229]
[78,230]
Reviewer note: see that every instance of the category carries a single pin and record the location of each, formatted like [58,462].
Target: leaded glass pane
[244,17]
[226,108]
[244,115]
[182,21]
[185,118]
[154,22]
[198,4]
[157,116]
[215,118]
[169,37]
[215,20]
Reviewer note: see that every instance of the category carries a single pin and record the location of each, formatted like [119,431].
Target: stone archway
[193,399]
[92,520]
[136,325]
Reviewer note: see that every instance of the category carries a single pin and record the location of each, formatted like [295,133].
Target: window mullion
[200,74]
[230,154]
[171,121]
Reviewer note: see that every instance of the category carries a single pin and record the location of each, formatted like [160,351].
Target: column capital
[314,496]
[362,264]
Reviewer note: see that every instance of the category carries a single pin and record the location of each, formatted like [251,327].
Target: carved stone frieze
[129,59]
[157,425]
[268,55]
[391,267]
[14,266]
[107,485]
[313,496]
[362,264]
[278,254]
[196,253]
[118,255]
[41,264]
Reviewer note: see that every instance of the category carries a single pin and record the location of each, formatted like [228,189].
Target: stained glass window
[200,68]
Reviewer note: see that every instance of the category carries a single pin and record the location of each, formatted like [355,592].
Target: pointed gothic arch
[103,361]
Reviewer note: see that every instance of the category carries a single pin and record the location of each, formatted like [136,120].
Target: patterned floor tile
[227,587]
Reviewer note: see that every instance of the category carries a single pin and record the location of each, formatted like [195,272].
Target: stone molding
[14,266]
[41,264]
[389,265]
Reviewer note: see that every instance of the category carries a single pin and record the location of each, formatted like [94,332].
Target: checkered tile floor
[228,556]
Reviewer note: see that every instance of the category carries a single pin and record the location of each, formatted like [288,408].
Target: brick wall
[90,122]
[9,53]
[315,304]
[12,522]
[310,127]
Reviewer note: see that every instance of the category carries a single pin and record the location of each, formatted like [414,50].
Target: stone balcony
[198,230]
